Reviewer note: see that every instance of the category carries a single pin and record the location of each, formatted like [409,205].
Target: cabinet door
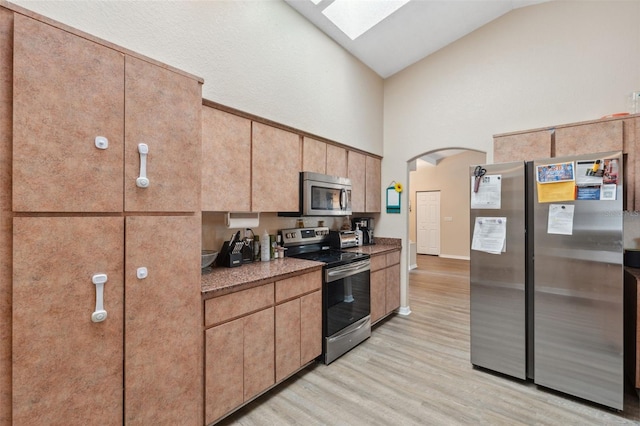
[314,156]
[378,294]
[224,377]
[226,161]
[6,73]
[163,327]
[164,112]
[522,146]
[258,352]
[66,91]
[287,338]
[276,163]
[356,172]
[589,138]
[310,327]
[392,299]
[67,368]
[336,161]
[372,185]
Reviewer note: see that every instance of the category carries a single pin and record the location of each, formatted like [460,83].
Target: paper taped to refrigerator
[560,219]
[489,195]
[490,235]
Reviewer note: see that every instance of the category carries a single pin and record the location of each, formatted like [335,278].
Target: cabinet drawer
[295,286]
[233,305]
[393,258]
[378,262]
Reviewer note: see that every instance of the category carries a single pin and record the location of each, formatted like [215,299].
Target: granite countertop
[228,280]
[382,245]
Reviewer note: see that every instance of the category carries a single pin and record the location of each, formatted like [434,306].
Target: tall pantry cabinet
[105,296]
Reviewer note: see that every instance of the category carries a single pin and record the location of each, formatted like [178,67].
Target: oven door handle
[340,272]
[357,326]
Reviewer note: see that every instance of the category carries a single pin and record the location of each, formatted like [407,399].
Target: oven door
[346,295]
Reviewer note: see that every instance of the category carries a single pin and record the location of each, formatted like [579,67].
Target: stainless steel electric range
[346,301]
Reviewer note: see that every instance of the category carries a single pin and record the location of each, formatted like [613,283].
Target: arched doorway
[444,172]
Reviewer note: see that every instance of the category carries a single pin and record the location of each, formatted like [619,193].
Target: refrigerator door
[498,300]
[578,298]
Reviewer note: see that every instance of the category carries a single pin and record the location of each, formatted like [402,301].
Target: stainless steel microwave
[323,195]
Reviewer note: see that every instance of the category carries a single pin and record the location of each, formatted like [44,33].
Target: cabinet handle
[142,181]
[99,314]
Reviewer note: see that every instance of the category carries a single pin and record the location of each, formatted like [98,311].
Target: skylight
[356,17]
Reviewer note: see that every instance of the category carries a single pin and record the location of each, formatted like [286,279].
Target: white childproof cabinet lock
[142,273]
[102,142]
[99,314]
[142,181]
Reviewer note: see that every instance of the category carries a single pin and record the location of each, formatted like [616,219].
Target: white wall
[260,57]
[552,63]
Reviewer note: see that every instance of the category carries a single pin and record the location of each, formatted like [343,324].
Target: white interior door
[428,222]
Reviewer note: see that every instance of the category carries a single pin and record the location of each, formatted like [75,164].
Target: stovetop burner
[333,257]
[315,244]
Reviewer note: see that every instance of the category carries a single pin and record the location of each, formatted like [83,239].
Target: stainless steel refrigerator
[578,315]
[498,271]
[548,304]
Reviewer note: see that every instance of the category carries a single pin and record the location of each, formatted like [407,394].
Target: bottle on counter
[265,250]
[256,248]
[359,234]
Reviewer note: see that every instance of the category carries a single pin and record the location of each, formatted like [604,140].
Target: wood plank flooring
[415,370]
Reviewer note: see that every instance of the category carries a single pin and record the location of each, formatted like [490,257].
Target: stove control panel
[297,236]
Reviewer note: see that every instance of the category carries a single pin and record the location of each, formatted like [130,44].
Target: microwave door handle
[343,199]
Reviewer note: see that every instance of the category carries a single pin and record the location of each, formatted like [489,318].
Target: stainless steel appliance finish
[323,195]
[346,290]
[343,239]
[347,307]
[579,298]
[498,283]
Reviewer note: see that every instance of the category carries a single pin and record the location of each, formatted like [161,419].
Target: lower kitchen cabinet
[298,333]
[67,368]
[385,284]
[257,337]
[140,362]
[239,362]
[163,341]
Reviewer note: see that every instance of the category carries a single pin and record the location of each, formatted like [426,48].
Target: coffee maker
[366,226]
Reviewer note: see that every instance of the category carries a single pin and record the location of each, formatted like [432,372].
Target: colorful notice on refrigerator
[489,195]
[489,235]
[560,219]
[553,173]
[597,179]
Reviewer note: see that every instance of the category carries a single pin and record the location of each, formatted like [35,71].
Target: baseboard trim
[404,310]
[451,256]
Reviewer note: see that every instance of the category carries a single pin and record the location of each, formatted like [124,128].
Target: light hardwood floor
[415,370]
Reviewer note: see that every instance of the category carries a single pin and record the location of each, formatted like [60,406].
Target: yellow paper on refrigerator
[553,192]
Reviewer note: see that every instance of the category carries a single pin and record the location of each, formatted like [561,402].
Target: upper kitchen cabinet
[356,169]
[587,138]
[522,146]
[226,165]
[314,155]
[276,162]
[336,161]
[67,92]
[364,172]
[73,144]
[163,112]
[372,185]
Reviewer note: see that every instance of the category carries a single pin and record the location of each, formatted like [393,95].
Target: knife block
[227,258]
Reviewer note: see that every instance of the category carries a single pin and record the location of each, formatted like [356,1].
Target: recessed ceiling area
[409,31]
